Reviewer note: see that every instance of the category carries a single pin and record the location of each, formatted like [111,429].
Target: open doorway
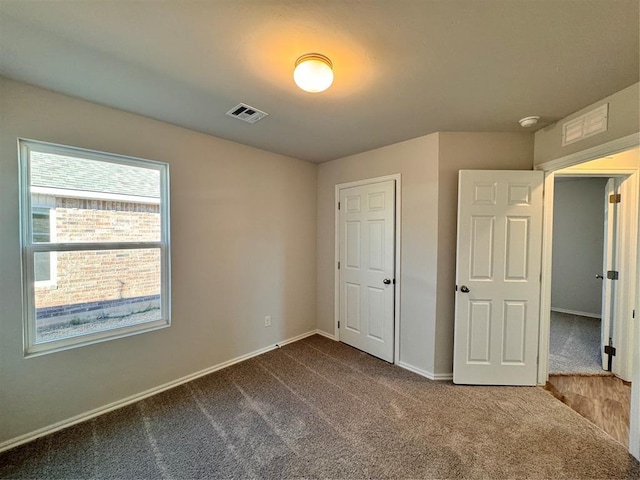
[593,285]
[575,345]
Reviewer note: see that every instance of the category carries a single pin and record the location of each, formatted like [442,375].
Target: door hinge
[613,275]
[614,198]
[338,205]
[338,323]
[338,265]
[633,314]
[611,351]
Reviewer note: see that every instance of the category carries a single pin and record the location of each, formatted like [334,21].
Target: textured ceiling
[403,68]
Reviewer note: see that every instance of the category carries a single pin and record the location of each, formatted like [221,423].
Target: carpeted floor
[319,409]
[575,345]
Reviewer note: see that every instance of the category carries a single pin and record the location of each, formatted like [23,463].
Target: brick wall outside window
[84,277]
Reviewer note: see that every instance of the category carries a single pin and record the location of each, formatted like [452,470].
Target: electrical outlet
[267,321]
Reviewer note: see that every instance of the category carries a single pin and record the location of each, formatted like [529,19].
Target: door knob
[464,289]
[386,281]
[599,276]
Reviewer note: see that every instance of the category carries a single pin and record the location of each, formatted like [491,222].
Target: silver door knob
[599,276]
[386,281]
[464,289]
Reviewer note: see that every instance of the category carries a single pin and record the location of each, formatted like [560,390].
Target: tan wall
[429,166]
[628,159]
[243,233]
[416,160]
[624,119]
[458,151]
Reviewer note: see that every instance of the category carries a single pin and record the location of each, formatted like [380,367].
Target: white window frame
[53,256]
[31,347]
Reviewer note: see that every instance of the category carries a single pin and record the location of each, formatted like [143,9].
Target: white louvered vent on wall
[246,113]
[586,125]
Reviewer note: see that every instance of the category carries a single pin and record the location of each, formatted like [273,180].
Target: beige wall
[629,159]
[578,242]
[461,151]
[624,119]
[429,166]
[243,233]
[416,160]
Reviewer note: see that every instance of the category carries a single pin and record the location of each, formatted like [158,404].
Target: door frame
[622,301]
[609,148]
[397,178]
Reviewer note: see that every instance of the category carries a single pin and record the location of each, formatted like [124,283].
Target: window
[95,244]
[44,231]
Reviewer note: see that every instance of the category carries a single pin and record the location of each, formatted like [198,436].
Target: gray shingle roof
[70,173]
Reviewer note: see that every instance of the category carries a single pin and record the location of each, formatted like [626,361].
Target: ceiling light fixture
[528,121]
[313,73]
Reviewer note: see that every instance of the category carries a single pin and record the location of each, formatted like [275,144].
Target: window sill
[98,337]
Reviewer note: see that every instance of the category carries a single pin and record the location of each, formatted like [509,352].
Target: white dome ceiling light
[528,121]
[313,73]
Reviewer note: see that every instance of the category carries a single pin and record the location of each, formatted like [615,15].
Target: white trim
[443,377]
[39,349]
[426,374]
[609,148]
[599,151]
[624,302]
[634,421]
[87,153]
[608,173]
[28,437]
[575,312]
[544,327]
[116,197]
[397,178]
[327,335]
[627,263]
[29,248]
[53,256]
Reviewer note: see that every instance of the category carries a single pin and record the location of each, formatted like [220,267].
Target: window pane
[77,196]
[94,201]
[42,266]
[99,290]
[41,224]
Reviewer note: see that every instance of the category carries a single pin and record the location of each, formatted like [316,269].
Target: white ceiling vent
[585,125]
[246,113]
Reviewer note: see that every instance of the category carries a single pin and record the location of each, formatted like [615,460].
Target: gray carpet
[574,346]
[319,409]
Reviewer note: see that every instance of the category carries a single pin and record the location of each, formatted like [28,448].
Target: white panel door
[367,228]
[498,277]
[609,263]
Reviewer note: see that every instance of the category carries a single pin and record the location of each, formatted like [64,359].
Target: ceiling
[403,68]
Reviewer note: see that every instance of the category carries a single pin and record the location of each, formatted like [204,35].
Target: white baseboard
[325,334]
[41,432]
[443,377]
[424,373]
[406,366]
[575,312]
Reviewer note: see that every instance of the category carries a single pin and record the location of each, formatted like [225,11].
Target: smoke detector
[528,121]
[246,113]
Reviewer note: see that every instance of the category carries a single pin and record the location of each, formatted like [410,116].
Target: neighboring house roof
[69,173]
